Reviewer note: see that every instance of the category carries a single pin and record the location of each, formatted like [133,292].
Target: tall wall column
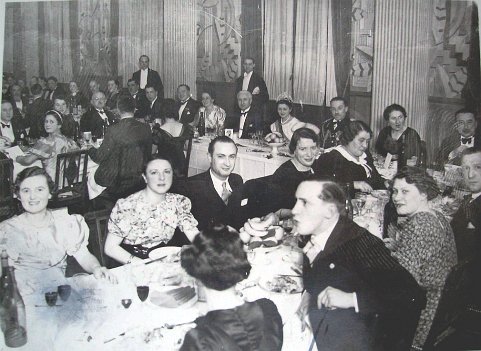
[401,60]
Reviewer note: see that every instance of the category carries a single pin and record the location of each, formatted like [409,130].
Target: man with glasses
[97,119]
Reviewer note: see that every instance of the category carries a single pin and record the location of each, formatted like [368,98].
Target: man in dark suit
[126,146]
[141,102]
[186,106]
[146,76]
[155,104]
[358,297]
[331,128]
[52,89]
[96,119]
[113,92]
[210,191]
[36,113]
[253,83]
[468,134]
[249,120]
[11,128]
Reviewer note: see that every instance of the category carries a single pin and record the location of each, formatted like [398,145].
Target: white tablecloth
[252,161]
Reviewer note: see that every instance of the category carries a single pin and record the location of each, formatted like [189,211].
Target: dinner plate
[282,284]
[172,296]
[171,253]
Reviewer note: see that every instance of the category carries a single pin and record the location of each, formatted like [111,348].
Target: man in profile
[249,120]
[253,83]
[147,76]
[331,128]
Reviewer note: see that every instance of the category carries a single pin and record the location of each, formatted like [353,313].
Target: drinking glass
[126,302]
[51,298]
[359,201]
[87,137]
[64,291]
[143,292]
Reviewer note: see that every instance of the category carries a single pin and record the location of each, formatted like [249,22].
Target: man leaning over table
[210,191]
[248,120]
[358,297]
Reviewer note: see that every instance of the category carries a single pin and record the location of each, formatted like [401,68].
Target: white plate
[171,253]
[268,284]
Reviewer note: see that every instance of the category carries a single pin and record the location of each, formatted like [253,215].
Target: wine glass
[64,291]
[126,302]
[359,202]
[51,298]
[143,292]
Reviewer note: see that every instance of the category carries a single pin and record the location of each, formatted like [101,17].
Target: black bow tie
[466,140]
[5,125]
[244,113]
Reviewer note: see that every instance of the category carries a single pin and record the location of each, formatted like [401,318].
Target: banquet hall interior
[97,92]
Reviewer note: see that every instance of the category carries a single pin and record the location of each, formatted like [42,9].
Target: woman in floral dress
[422,240]
[148,219]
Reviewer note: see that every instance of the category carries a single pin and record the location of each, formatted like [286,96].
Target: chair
[6,189]
[97,222]
[70,179]
[188,150]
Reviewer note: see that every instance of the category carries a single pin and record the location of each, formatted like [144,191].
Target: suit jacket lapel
[211,188]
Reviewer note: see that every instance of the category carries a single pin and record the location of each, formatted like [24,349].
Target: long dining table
[93,317]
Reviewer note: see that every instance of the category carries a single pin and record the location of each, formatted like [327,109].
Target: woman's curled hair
[216,258]
[420,179]
[32,172]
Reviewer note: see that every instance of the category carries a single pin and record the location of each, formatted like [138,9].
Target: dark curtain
[341,22]
[251,23]
[472,90]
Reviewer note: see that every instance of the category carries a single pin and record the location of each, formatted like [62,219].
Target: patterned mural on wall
[95,39]
[451,36]
[362,43]
[218,40]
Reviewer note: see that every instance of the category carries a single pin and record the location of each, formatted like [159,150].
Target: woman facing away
[217,259]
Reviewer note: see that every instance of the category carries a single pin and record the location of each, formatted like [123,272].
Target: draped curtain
[341,18]
[29,12]
[57,59]
[141,31]
[278,46]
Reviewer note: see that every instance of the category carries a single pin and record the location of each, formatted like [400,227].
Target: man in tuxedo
[331,128]
[358,297]
[141,102]
[52,89]
[468,134]
[155,104]
[36,112]
[126,147]
[146,76]
[210,191]
[187,107]
[249,120]
[96,119]
[253,83]
[11,128]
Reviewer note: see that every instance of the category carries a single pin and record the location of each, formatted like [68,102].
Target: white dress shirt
[247,79]
[218,184]
[104,116]
[8,131]
[182,107]
[242,121]
[143,77]
[153,102]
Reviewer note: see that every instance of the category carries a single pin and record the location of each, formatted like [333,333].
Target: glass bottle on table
[4,285]
[15,319]
[348,206]
[401,160]
[201,126]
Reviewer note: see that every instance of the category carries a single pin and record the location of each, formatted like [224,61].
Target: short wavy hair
[32,172]
[420,179]
[305,133]
[392,108]
[216,258]
[351,130]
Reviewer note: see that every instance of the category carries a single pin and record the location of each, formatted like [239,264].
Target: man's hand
[333,298]
[103,273]
[256,91]
[362,186]
[391,244]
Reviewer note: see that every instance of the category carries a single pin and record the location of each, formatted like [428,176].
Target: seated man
[155,105]
[331,128]
[187,106]
[249,120]
[467,135]
[126,146]
[358,297]
[11,128]
[96,119]
[141,102]
[209,192]
[36,113]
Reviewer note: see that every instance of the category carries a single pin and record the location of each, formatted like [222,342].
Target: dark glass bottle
[348,206]
[15,333]
[4,284]
[201,126]
[401,160]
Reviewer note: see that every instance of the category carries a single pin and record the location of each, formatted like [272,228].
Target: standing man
[155,105]
[146,76]
[253,83]
[210,191]
[465,137]
[331,129]
[249,120]
[96,119]
[358,297]
[187,107]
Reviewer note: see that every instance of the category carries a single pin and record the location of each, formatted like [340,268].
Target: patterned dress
[426,248]
[142,223]
[215,119]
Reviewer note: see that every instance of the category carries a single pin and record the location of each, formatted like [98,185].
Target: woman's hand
[362,186]
[391,244]
[100,272]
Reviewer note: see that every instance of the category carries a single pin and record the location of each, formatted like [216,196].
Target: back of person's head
[351,130]
[420,179]
[305,133]
[126,104]
[36,89]
[391,108]
[32,172]
[219,139]
[169,109]
[216,258]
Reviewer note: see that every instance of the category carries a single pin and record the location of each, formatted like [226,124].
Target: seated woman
[304,146]
[169,138]
[287,123]
[47,148]
[390,139]
[147,219]
[214,115]
[424,242]
[217,259]
[350,162]
[40,239]
[75,99]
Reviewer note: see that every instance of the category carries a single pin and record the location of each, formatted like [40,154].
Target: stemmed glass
[359,201]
